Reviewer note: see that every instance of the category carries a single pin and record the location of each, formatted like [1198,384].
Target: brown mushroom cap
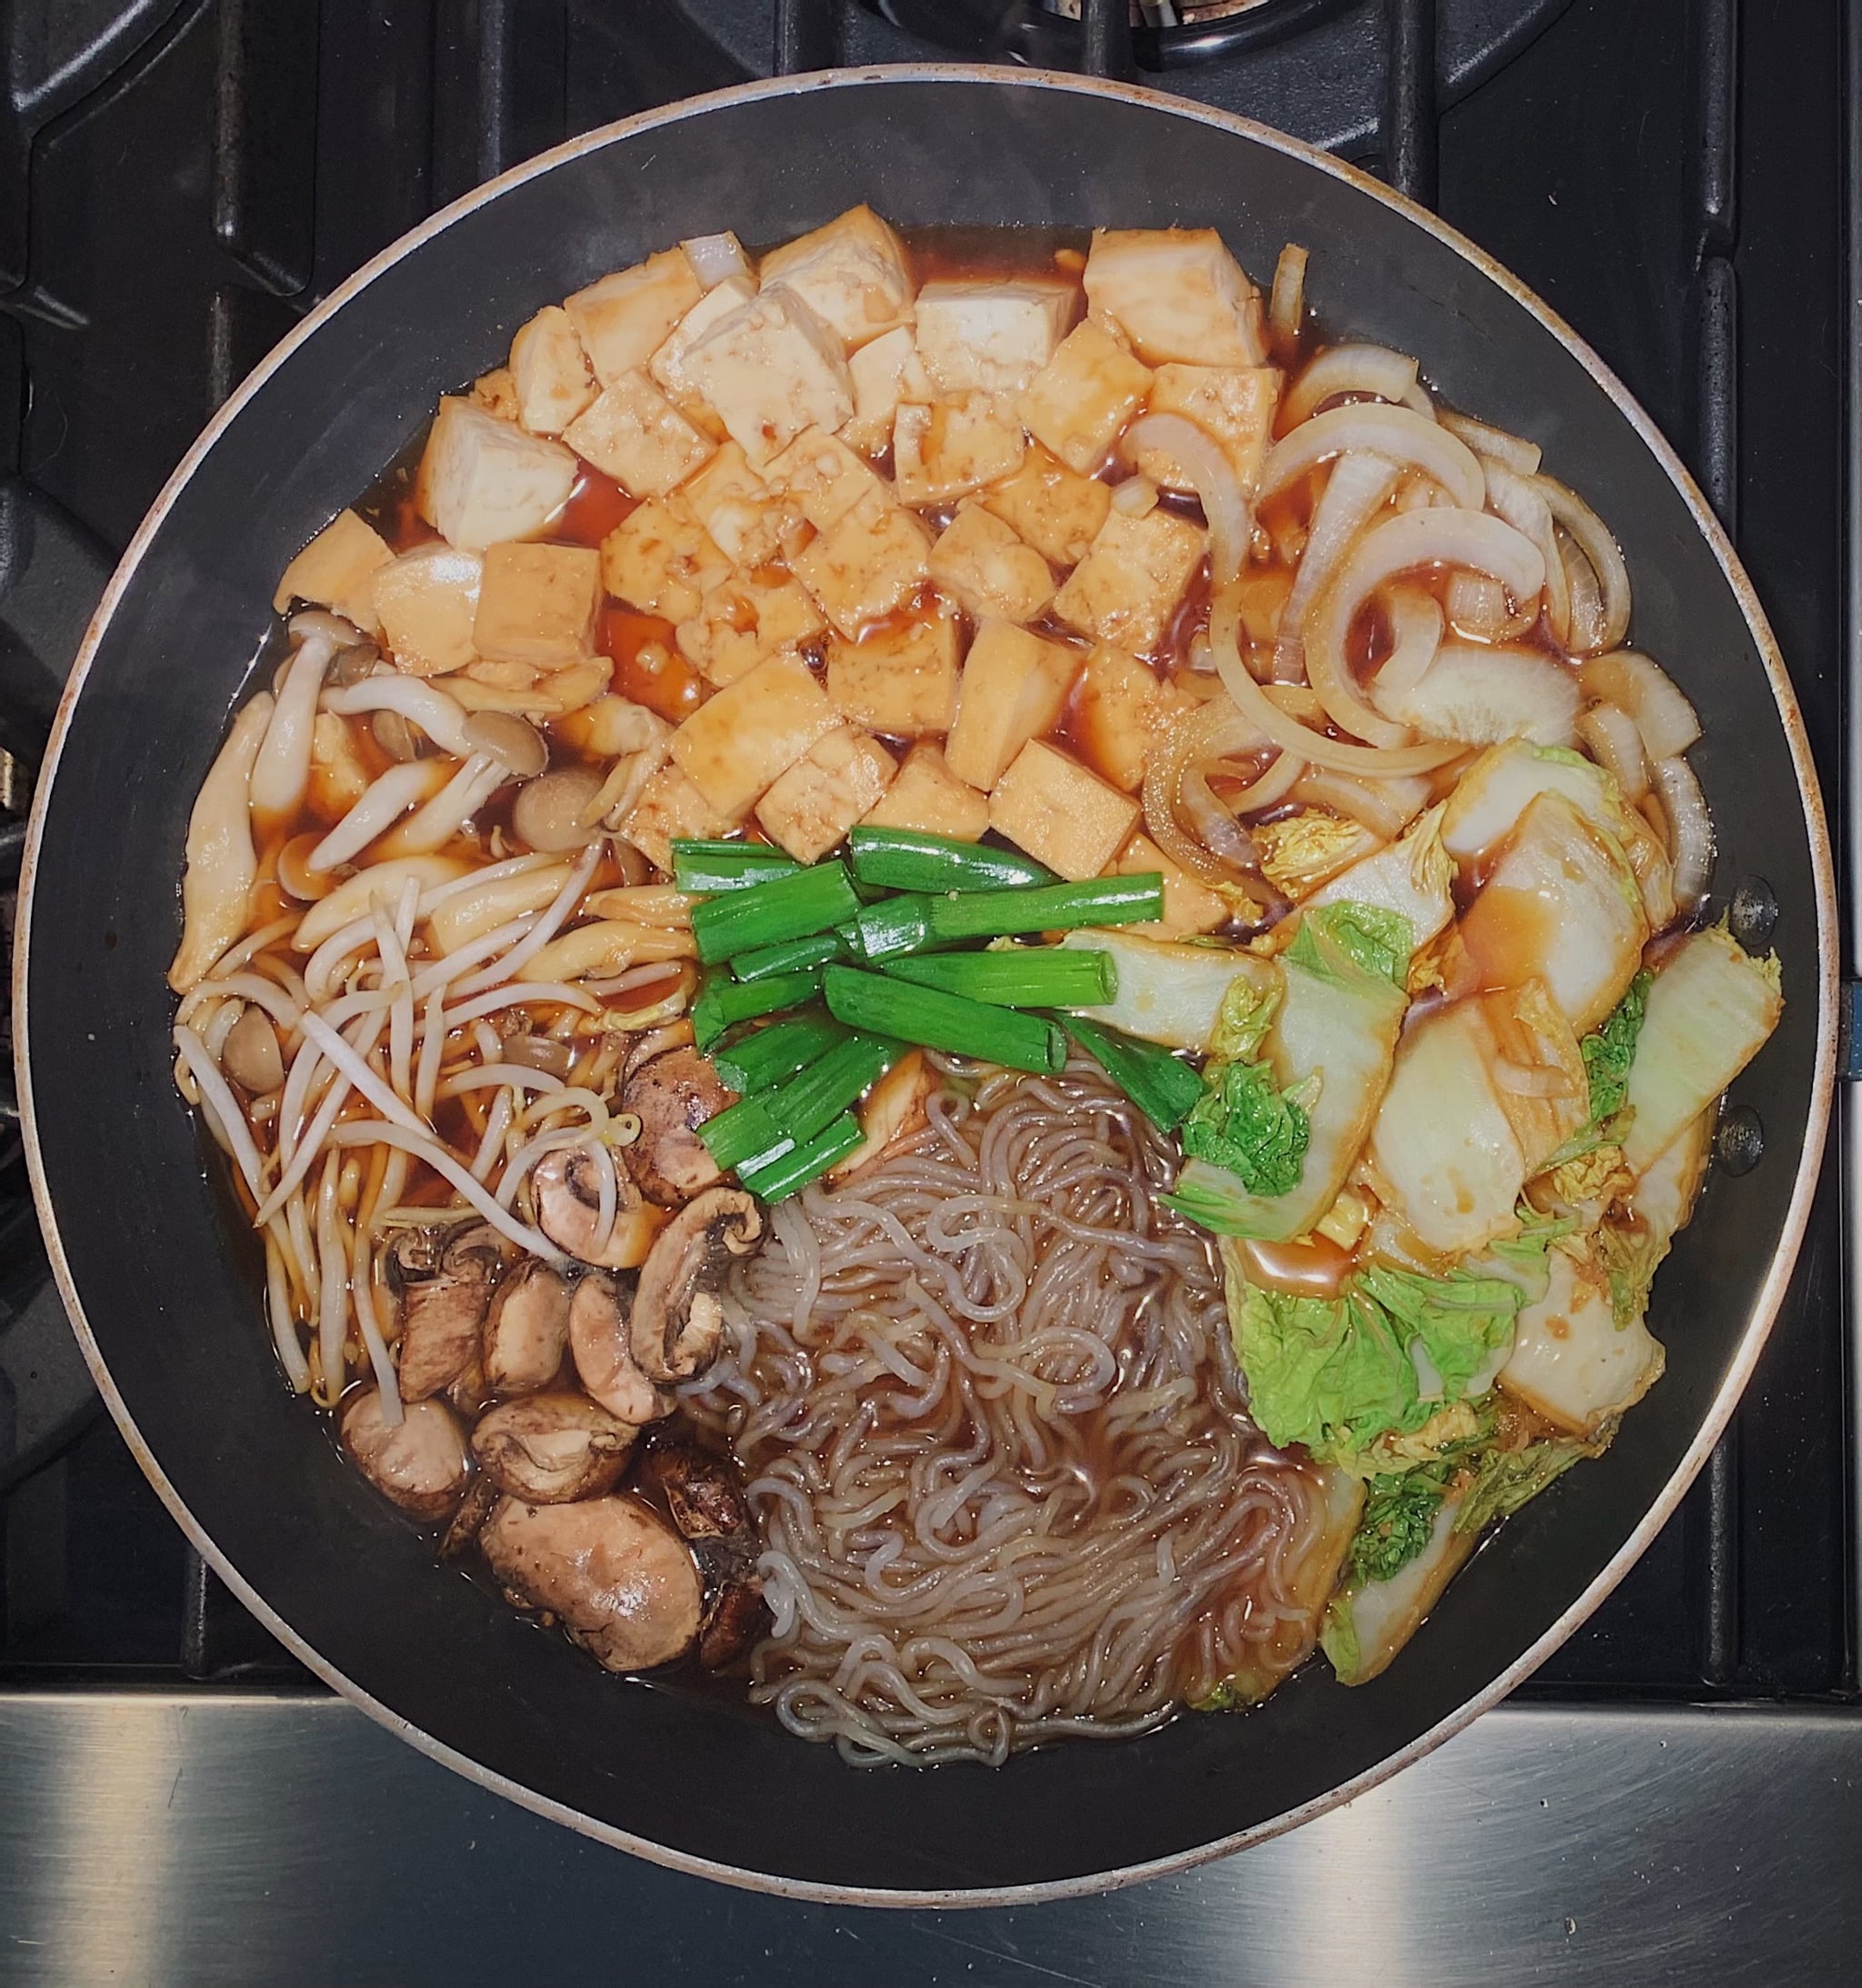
[527,1330]
[604,1363]
[567,1191]
[705,1499]
[420,1463]
[677,1321]
[673,1096]
[443,1278]
[552,1449]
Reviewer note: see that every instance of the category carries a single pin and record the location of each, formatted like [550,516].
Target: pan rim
[1753,1335]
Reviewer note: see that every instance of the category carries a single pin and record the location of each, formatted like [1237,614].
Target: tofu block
[496,393]
[929,797]
[812,806]
[624,319]
[1120,713]
[821,477]
[991,334]
[1014,688]
[715,258]
[336,569]
[1176,293]
[944,450]
[1128,586]
[773,370]
[747,520]
[1060,813]
[633,433]
[483,480]
[752,732]
[668,365]
[425,603]
[1056,510]
[981,564]
[1078,402]
[661,560]
[870,565]
[536,604]
[899,678]
[744,618]
[852,273]
[1233,404]
[882,374]
[550,374]
[671,806]
[1190,907]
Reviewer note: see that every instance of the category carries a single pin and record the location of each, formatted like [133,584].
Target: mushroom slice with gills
[673,1096]
[567,1189]
[445,1284]
[621,1582]
[420,1463]
[705,1499]
[552,1449]
[677,1320]
[527,1330]
[604,1363]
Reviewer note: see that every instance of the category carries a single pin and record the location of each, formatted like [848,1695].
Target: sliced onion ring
[1286,303]
[1399,433]
[1513,451]
[1416,622]
[1519,500]
[1355,492]
[1217,487]
[1212,732]
[1691,829]
[1348,369]
[1594,540]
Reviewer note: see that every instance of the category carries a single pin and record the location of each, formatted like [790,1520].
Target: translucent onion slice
[1217,487]
[1587,614]
[1512,451]
[1691,829]
[1357,489]
[1215,732]
[1597,545]
[1416,622]
[716,257]
[1348,369]
[1664,717]
[1399,433]
[1617,745]
[1517,499]
[1286,302]
[1383,807]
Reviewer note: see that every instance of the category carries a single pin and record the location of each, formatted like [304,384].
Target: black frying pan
[164,1284]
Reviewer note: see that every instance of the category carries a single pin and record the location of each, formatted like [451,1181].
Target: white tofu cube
[742,619]
[1233,404]
[336,569]
[749,522]
[536,605]
[496,393]
[981,564]
[482,480]
[1176,293]
[734,746]
[822,477]
[668,365]
[812,806]
[1121,712]
[899,678]
[671,806]
[882,374]
[1060,813]
[991,335]
[944,450]
[1078,402]
[716,258]
[1014,687]
[624,319]
[870,565]
[633,433]
[661,561]
[549,372]
[425,603]
[773,370]
[1128,585]
[1056,510]
[1190,907]
[929,797]
[852,274]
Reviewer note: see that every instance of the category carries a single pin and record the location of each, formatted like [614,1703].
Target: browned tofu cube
[749,523]
[871,564]
[536,604]
[752,732]
[483,480]
[496,393]
[1121,712]
[881,375]
[336,569]
[549,372]
[1056,510]
[852,274]
[633,433]
[671,806]
[1176,293]
[812,806]
[1083,396]
[624,319]
[981,564]
[1190,907]
[944,450]
[1128,586]
[1013,689]
[743,619]
[1060,813]
[661,560]
[929,797]
[772,370]
[899,678]
[991,334]
[821,477]
[425,602]
[1233,407]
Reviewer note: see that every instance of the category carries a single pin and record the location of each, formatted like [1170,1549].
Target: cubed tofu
[871,564]
[991,334]
[483,480]
[812,806]
[743,619]
[1121,711]
[750,734]
[1056,510]
[773,371]
[945,449]
[822,477]
[1233,407]
[1014,687]
[715,258]
[749,522]
[1128,586]
[671,806]
[336,569]
[496,393]
[536,604]
[633,433]
[661,560]
[1083,396]
[929,797]
[425,603]
[1176,293]
[981,564]
[1190,907]
[549,372]
[624,319]
[881,375]
[899,678]
[668,365]
[852,274]
[1061,813]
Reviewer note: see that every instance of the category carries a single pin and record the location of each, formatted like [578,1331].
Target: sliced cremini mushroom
[443,1280]
[420,1463]
[604,1363]
[619,1579]
[705,1501]
[466,1525]
[673,1096]
[568,1212]
[469,1391]
[527,1330]
[676,1321]
[552,1449]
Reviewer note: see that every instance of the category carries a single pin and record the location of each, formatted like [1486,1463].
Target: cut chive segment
[746,1135]
[792,956]
[1019,977]
[1162,1086]
[723,1000]
[766,1055]
[793,1170]
[802,1107]
[906,859]
[768,914]
[1044,908]
[705,867]
[944,1022]
[892,927]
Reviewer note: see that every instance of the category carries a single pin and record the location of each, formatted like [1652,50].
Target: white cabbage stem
[1691,829]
